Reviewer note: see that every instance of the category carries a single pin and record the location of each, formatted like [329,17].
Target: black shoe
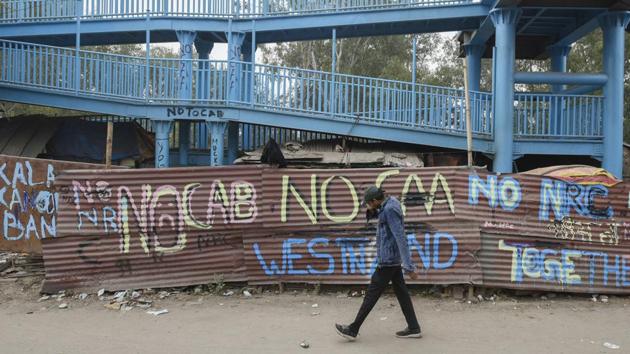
[409,333]
[346,332]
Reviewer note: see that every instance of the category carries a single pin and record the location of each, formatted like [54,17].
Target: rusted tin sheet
[167,227]
[92,262]
[28,203]
[323,199]
[280,212]
[555,265]
[444,255]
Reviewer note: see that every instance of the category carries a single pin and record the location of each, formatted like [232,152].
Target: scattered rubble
[18,265]
[305,345]
[63,306]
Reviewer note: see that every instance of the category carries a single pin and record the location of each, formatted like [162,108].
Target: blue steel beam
[271,29]
[559,78]
[576,147]
[296,120]
[531,145]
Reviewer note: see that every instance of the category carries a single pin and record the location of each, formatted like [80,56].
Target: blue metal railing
[356,99]
[362,100]
[540,115]
[51,10]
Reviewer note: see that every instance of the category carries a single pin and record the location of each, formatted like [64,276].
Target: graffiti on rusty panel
[314,198]
[307,225]
[28,206]
[560,266]
[143,214]
[353,255]
[28,201]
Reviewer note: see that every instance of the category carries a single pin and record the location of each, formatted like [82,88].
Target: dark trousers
[380,279]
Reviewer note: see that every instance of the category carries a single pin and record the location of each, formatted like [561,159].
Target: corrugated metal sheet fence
[150,228]
[28,203]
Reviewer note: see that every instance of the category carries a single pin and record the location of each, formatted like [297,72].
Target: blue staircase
[42,63]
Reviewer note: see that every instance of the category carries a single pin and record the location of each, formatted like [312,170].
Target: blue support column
[162,129]
[614,24]
[184,142]
[559,58]
[233,139]
[235,50]
[184,77]
[238,52]
[217,138]
[203,85]
[505,20]
[186,39]
[473,55]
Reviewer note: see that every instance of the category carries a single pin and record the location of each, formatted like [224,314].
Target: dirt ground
[279,323]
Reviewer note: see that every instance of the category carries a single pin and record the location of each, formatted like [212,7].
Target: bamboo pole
[108,144]
[468,117]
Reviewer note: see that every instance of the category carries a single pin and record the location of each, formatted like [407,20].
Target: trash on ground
[157,312]
[611,346]
[113,306]
[305,345]
[63,306]
[83,296]
[100,292]
[228,293]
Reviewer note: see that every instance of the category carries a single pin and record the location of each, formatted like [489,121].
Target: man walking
[393,257]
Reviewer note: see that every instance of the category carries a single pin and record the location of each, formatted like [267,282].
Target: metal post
[186,41]
[77,43]
[505,20]
[414,50]
[333,93]
[162,129]
[473,55]
[559,57]
[203,89]
[147,49]
[252,93]
[613,24]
